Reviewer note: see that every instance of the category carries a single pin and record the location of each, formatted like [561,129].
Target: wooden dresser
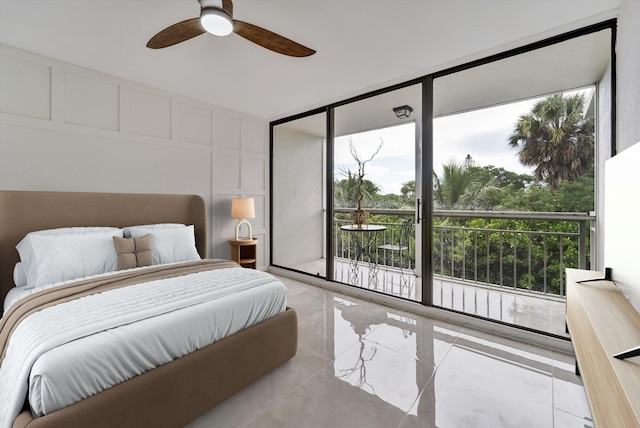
[603,323]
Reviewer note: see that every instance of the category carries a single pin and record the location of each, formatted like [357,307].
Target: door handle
[418,214]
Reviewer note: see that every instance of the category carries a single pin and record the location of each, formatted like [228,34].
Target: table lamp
[242,209]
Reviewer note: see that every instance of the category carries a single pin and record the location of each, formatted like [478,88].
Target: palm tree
[458,188]
[556,139]
[408,191]
[347,192]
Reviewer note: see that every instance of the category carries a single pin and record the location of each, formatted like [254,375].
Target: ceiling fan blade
[177,33]
[270,40]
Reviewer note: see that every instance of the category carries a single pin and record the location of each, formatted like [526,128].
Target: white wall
[618,198]
[67,128]
[628,75]
[603,152]
[298,229]
[622,202]
[627,109]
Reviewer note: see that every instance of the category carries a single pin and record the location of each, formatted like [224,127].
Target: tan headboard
[23,211]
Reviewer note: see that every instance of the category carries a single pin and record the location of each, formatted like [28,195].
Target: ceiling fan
[216,17]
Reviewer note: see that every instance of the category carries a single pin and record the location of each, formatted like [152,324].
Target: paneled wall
[67,128]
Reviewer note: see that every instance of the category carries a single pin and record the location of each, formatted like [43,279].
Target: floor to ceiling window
[375,170]
[514,150]
[470,189]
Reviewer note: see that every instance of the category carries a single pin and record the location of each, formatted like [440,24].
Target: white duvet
[73,350]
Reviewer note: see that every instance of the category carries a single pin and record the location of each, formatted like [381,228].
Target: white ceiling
[361,44]
[575,63]
[571,64]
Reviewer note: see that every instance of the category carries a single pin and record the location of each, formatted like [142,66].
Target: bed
[179,391]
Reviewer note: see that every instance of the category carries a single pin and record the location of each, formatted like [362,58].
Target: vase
[359,217]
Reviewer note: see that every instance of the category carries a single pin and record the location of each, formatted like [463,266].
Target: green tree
[556,139]
[571,196]
[408,189]
[388,201]
[460,189]
[579,195]
[536,198]
[502,177]
[346,192]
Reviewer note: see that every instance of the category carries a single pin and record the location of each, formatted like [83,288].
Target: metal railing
[521,251]
[393,247]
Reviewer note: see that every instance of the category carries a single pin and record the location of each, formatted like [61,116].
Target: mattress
[237,298]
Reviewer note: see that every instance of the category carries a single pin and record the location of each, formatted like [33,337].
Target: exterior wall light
[402,112]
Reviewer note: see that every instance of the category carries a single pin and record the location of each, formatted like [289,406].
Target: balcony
[513,274]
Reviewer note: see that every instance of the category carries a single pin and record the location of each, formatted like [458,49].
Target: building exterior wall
[298,230]
[603,152]
[628,75]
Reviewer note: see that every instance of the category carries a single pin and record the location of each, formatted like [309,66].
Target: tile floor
[360,364]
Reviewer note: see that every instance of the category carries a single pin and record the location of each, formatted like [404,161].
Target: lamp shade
[243,208]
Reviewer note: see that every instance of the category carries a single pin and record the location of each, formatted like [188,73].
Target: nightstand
[244,252]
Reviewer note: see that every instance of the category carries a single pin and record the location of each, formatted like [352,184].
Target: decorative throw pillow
[170,245]
[133,252]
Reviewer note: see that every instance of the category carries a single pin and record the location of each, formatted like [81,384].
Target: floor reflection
[361,364]
[482,381]
[356,372]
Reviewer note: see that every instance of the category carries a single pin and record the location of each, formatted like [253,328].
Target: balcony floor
[534,311]
[531,311]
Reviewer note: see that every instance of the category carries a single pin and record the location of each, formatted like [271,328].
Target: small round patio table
[363,239]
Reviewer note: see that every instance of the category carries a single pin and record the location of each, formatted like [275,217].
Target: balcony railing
[521,251]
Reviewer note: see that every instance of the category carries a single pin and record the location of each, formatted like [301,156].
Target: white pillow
[19,275]
[52,257]
[169,245]
[128,231]
[73,230]
[26,252]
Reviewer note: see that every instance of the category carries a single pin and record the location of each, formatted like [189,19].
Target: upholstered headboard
[23,211]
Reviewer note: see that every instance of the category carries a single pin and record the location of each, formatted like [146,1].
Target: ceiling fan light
[216,21]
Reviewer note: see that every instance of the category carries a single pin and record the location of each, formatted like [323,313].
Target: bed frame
[180,391]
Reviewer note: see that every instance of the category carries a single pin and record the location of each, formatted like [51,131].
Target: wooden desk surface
[603,323]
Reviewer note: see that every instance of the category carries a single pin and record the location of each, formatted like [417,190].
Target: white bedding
[127,331]
[18,293]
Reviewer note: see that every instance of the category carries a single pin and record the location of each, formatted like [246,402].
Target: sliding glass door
[376,175]
[345,201]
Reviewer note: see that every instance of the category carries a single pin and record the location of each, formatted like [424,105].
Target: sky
[393,165]
[481,133]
